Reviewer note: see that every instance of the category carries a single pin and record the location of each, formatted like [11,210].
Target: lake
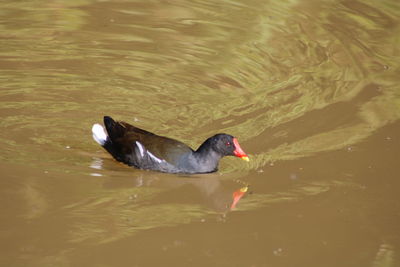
[311,89]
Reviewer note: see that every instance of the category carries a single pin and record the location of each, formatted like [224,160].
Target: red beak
[238,151]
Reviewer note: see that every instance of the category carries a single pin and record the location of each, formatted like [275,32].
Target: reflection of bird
[145,150]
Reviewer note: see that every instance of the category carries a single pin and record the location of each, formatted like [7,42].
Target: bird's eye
[227,143]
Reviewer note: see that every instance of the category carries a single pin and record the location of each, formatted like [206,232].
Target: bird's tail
[106,136]
[113,131]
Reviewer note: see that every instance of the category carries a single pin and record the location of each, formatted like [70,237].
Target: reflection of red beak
[237,195]
[238,151]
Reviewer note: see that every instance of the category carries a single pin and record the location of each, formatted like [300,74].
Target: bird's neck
[206,156]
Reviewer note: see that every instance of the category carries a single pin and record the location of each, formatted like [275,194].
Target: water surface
[310,88]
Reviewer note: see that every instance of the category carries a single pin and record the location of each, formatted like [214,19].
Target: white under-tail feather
[99,135]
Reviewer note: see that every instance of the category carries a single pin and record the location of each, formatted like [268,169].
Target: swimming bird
[145,150]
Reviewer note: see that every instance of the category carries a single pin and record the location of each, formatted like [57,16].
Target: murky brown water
[310,88]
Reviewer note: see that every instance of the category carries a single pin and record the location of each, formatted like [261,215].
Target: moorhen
[144,150]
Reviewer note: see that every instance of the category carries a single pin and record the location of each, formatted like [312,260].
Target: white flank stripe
[99,135]
[141,149]
[154,157]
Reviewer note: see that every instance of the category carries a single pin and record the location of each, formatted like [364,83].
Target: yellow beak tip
[245,158]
